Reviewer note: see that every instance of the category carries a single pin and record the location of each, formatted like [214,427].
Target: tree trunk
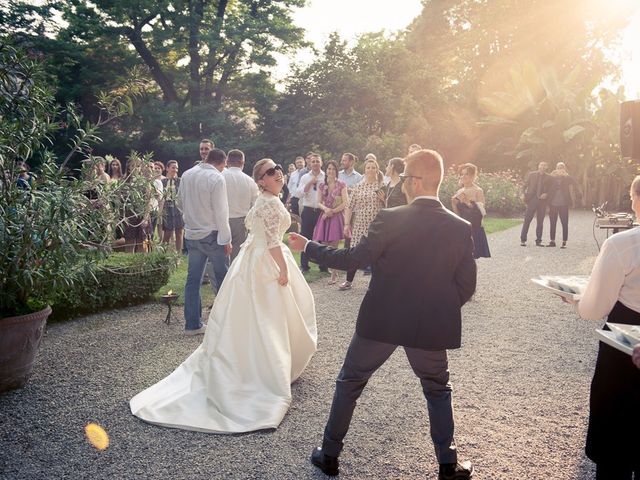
[164,82]
[212,63]
[195,18]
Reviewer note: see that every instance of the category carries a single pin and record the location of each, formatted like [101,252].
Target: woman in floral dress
[365,202]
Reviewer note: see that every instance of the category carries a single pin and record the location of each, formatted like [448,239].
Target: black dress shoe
[455,471]
[326,463]
[551,244]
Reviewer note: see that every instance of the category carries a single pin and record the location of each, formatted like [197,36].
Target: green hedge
[121,280]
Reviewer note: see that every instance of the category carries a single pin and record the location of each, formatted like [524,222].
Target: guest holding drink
[613,290]
[332,199]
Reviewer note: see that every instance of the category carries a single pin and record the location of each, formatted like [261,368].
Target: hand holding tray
[569,287]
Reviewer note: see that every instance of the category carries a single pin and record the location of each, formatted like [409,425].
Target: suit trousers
[309,218]
[537,208]
[364,357]
[238,235]
[563,211]
[295,208]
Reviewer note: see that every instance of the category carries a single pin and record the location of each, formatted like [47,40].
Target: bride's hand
[283,278]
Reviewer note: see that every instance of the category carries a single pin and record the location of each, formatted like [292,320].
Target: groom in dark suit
[536,188]
[423,271]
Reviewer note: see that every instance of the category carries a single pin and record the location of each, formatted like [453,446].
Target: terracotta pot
[19,340]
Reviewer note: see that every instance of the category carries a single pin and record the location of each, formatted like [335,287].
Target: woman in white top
[614,417]
[260,336]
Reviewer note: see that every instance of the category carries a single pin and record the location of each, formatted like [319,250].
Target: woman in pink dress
[332,199]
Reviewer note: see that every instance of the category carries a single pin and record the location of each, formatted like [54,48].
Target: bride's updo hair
[257,168]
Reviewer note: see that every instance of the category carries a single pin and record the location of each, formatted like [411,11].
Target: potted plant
[52,229]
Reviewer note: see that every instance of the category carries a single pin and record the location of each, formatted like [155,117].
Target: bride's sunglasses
[271,171]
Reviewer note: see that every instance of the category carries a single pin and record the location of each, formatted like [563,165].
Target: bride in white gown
[260,336]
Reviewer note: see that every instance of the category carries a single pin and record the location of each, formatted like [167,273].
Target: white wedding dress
[259,339]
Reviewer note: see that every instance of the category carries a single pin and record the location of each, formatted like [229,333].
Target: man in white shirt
[309,184]
[205,209]
[242,191]
[294,185]
[206,146]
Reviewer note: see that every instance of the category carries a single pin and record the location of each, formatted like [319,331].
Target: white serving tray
[570,295]
[610,339]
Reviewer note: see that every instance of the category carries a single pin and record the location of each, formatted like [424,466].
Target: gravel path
[521,383]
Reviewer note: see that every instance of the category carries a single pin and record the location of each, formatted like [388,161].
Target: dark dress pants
[309,218]
[295,209]
[363,358]
[537,208]
[563,212]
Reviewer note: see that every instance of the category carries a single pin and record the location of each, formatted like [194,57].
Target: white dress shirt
[242,191]
[205,208]
[615,276]
[294,182]
[157,193]
[310,198]
[351,179]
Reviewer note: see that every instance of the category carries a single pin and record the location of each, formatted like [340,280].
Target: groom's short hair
[427,164]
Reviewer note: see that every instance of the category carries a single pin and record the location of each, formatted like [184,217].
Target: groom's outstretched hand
[297,242]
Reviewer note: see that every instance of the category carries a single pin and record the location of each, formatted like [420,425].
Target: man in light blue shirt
[348,175]
[205,210]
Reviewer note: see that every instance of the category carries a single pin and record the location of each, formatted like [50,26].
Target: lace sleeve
[269,215]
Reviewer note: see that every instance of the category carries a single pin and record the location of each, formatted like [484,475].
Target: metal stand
[168,300]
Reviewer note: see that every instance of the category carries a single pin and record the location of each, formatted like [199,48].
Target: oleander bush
[501,190]
[120,280]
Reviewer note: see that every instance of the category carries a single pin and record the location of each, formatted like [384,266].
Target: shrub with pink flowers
[501,190]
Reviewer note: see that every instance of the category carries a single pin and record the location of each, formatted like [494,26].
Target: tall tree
[199,53]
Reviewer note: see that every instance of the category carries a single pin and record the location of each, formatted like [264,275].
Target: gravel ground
[521,383]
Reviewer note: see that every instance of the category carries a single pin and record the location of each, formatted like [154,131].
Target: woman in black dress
[613,290]
[394,197]
[468,202]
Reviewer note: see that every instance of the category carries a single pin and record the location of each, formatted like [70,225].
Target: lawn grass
[178,278]
[493,224]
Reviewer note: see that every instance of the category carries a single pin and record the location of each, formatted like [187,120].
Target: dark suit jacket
[562,183]
[423,271]
[531,185]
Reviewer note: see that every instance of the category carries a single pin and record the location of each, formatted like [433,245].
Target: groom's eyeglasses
[404,176]
[270,172]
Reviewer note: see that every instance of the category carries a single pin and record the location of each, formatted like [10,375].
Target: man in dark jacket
[423,271]
[536,191]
